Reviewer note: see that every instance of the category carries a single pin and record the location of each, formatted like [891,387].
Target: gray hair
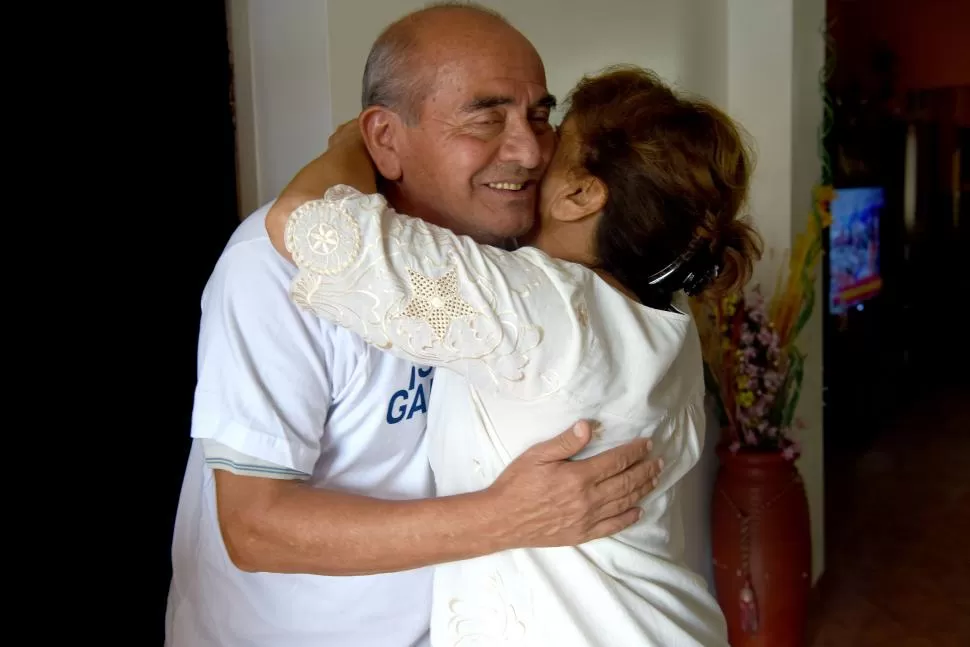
[391,77]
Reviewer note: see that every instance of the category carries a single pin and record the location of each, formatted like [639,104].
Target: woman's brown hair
[677,172]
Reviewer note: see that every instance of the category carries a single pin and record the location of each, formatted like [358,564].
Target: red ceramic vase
[762,549]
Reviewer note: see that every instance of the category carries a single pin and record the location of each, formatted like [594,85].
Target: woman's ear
[380,128]
[586,197]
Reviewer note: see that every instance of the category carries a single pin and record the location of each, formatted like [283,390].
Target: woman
[640,202]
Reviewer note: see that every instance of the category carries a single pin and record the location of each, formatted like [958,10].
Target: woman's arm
[514,321]
[346,161]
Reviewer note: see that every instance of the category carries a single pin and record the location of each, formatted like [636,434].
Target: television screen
[854,247]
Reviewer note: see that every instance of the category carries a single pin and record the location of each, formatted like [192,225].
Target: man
[306,516]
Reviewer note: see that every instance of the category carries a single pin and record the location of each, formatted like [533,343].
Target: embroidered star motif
[436,301]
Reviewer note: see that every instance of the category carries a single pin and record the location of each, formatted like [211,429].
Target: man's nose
[521,146]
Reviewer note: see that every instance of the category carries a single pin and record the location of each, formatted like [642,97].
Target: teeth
[505,186]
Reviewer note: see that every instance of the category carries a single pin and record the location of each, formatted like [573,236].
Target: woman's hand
[351,159]
[346,161]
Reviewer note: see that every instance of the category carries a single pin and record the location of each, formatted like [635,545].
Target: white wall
[808,56]
[281,58]
[299,64]
[681,40]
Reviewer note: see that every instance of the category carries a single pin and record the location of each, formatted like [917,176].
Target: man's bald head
[456,120]
[401,65]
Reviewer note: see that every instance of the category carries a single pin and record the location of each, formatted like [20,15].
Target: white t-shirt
[525,345]
[297,392]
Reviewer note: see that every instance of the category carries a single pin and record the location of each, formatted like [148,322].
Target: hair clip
[694,279]
[695,282]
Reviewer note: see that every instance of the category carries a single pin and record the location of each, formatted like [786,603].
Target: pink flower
[773,380]
[759,408]
[734,447]
[765,336]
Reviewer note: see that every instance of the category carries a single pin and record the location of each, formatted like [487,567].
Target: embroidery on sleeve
[404,286]
[437,302]
[322,236]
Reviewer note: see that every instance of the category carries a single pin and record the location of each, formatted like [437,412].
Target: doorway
[200,209]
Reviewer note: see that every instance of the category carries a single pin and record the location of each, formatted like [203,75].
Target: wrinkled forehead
[464,79]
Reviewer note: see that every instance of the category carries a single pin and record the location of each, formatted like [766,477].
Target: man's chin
[520,225]
[496,229]
[514,220]
[530,234]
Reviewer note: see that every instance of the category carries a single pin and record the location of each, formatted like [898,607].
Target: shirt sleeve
[264,367]
[223,457]
[512,321]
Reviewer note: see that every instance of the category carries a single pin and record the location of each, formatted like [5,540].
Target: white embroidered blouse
[525,345]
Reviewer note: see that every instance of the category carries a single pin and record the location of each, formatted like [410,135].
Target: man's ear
[381,129]
[586,197]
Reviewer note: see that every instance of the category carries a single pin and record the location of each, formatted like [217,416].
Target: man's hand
[549,500]
[541,499]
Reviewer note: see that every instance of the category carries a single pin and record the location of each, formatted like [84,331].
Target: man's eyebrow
[548,101]
[484,103]
[494,101]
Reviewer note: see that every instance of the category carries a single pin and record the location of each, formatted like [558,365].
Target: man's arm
[266,375]
[541,499]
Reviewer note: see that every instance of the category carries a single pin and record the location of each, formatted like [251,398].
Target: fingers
[629,489]
[615,524]
[637,483]
[625,492]
[564,446]
[617,460]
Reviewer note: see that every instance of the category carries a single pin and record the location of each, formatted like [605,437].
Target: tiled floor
[898,556]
